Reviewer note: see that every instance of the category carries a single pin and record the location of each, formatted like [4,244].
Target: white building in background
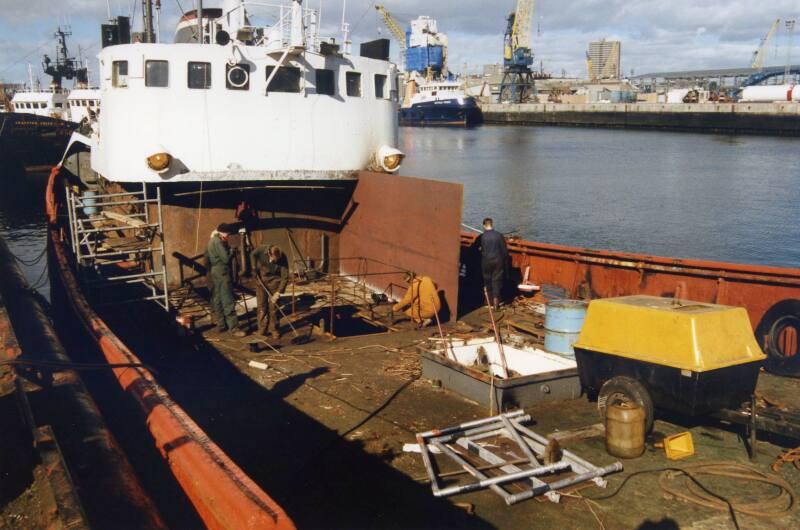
[604,59]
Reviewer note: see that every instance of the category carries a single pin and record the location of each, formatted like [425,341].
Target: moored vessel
[440,103]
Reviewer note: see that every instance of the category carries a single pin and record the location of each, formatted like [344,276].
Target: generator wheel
[623,389]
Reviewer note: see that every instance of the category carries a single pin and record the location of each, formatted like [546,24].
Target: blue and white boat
[442,103]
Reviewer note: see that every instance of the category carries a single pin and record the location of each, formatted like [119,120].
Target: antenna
[200,21]
[108,8]
[345,30]
[158,20]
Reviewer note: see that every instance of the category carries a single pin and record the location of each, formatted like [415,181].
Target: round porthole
[238,76]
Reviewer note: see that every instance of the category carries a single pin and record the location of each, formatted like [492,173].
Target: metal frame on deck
[532,447]
[92,238]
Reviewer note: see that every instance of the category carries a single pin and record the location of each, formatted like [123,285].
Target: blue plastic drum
[563,321]
[89,203]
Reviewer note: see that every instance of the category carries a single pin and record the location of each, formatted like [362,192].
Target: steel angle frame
[532,445]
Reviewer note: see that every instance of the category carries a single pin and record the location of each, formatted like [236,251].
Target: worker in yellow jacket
[421,299]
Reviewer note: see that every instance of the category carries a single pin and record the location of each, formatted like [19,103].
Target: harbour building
[603,59]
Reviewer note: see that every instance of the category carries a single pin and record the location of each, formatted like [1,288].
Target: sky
[656,35]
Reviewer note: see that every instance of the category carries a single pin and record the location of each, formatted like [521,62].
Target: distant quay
[777,119]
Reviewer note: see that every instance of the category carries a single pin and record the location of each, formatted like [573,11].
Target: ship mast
[147,10]
[200,21]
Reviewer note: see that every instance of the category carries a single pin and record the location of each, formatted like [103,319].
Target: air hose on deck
[683,485]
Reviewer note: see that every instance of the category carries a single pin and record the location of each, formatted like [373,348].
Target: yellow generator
[686,357]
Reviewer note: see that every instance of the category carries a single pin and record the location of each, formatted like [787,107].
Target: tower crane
[397,32]
[761,53]
[518,84]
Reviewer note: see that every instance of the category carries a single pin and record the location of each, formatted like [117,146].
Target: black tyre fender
[783,316]
[622,389]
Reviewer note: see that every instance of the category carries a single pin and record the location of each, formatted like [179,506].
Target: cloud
[656,35]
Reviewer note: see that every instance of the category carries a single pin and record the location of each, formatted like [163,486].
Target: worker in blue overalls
[494,254]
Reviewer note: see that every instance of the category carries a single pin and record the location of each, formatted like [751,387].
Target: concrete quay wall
[740,118]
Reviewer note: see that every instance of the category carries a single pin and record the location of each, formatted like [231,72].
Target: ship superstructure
[246,104]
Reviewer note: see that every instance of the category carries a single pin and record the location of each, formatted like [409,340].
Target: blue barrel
[563,321]
[89,202]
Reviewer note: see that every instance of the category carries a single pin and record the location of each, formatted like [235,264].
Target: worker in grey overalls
[272,275]
[223,303]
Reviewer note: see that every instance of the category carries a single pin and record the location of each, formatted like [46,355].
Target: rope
[34,261]
[199,211]
[42,280]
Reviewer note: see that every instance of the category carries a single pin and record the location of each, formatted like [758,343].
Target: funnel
[677,446]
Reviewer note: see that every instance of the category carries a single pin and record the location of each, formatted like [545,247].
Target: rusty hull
[404,223]
[765,292]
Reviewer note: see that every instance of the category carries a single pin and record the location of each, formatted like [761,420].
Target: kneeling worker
[223,304]
[421,299]
[272,275]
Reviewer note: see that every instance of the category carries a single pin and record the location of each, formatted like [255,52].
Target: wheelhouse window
[59,105]
[326,84]
[353,82]
[380,86]
[237,76]
[199,75]
[286,79]
[156,74]
[119,74]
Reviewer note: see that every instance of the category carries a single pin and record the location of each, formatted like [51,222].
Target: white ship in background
[55,101]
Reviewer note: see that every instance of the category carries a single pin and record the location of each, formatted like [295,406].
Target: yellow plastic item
[677,446]
[691,336]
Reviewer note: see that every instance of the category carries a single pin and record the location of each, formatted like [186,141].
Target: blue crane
[517,85]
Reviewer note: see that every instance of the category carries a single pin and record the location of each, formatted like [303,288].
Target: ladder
[117,240]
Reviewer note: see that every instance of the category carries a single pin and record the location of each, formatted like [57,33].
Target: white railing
[279,34]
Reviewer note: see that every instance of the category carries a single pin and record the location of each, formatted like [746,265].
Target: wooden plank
[592,431]
[527,328]
[126,219]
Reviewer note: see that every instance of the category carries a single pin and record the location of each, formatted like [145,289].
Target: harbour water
[671,194]
[729,198]
[23,222]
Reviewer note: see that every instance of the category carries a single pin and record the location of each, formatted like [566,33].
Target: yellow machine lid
[682,334]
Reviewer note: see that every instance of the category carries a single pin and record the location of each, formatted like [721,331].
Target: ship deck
[321,428]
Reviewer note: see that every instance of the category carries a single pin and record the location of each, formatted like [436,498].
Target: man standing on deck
[218,257]
[494,253]
[272,275]
[421,299]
